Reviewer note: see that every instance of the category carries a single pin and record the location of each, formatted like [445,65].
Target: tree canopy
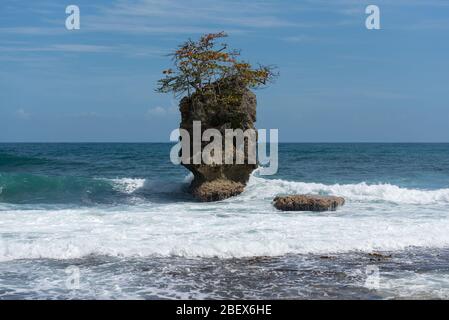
[199,65]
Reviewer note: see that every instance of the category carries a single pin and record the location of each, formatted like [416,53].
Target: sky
[339,81]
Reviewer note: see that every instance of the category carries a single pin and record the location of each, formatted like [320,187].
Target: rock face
[217,190]
[214,182]
[308,203]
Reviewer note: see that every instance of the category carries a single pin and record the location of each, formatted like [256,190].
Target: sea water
[120,215]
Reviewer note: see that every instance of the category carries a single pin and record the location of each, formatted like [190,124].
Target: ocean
[114,221]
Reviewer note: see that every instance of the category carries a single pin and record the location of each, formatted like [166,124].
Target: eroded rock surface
[213,182]
[308,203]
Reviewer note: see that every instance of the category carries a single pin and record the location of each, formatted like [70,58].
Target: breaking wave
[375,217]
[360,192]
[22,188]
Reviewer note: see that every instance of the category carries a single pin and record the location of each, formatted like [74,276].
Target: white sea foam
[188,178]
[415,285]
[128,185]
[376,217]
[353,192]
[132,185]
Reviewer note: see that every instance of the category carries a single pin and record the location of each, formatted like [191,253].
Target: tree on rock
[201,66]
[215,87]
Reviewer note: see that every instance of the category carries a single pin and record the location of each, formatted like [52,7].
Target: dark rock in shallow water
[217,190]
[376,256]
[308,203]
[214,182]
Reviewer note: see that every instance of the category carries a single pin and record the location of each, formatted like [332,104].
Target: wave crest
[353,192]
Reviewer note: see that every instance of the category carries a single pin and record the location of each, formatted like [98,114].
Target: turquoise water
[120,213]
[85,173]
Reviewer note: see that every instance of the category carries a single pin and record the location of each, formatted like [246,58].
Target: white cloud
[297,39]
[79,48]
[35,31]
[121,49]
[22,114]
[161,111]
[200,16]
[196,16]
[58,48]
[157,111]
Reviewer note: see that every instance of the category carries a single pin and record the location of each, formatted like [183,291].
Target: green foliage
[204,67]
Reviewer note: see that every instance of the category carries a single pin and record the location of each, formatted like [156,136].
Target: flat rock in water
[308,203]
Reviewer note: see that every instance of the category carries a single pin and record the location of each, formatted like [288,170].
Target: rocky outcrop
[308,203]
[217,190]
[213,182]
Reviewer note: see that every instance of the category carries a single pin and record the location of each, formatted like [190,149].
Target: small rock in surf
[308,203]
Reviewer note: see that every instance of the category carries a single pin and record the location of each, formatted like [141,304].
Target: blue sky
[339,82]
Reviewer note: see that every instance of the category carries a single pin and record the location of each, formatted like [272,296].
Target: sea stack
[214,182]
[216,89]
